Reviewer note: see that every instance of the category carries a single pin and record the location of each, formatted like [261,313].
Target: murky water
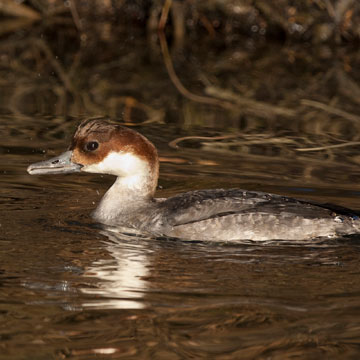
[72,290]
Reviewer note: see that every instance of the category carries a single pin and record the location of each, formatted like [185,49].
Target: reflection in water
[121,282]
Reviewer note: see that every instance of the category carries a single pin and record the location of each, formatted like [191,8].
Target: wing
[200,205]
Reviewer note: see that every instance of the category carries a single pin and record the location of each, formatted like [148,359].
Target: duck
[104,147]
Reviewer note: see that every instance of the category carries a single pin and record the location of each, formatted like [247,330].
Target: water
[70,289]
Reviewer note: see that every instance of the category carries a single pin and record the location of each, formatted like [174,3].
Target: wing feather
[206,204]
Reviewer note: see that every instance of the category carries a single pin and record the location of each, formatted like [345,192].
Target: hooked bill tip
[33,170]
[29,169]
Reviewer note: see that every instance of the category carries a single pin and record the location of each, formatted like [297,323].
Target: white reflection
[106,351]
[122,281]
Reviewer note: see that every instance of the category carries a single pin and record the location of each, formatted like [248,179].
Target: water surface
[70,289]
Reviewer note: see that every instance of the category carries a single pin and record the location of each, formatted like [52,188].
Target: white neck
[133,188]
[124,197]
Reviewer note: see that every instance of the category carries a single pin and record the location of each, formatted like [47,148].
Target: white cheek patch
[119,164]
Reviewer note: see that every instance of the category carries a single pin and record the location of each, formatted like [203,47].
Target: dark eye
[91,146]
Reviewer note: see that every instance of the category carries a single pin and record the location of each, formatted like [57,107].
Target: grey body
[231,215]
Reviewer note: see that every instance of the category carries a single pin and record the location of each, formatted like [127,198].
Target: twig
[340,9]
[174,143]
[350,143]
[75,15]
[330,8]
[330,109]
[153,115]
[171,71]
[164,15]
[13,8]
[13,25]
[207,25]
[252,106]
[178,23]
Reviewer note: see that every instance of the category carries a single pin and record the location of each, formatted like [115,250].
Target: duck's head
[100,146]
